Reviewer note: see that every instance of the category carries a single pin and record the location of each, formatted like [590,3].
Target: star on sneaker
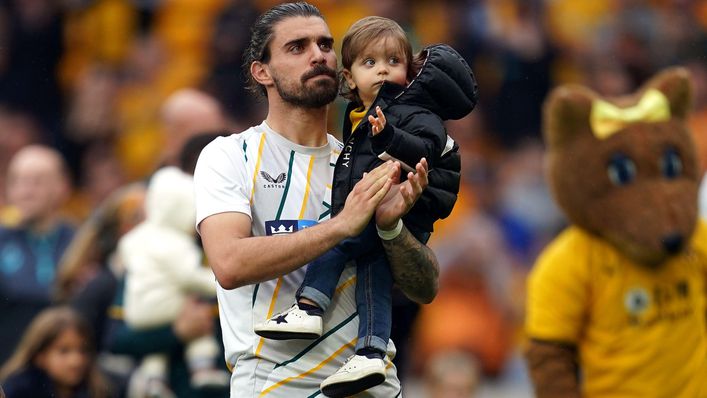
[358,373]
[293,323]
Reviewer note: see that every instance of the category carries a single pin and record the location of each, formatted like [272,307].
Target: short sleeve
[699,242]
[221,181]
[557,297]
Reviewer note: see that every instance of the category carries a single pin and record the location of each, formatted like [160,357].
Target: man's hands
[400,199]
[366,195]
[374,193]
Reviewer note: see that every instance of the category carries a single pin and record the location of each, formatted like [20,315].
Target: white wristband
[392,234]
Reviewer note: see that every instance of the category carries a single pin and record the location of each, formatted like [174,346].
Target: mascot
[616,303]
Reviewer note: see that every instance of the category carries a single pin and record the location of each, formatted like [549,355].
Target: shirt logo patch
[279,227]
[637,301]
[274,182]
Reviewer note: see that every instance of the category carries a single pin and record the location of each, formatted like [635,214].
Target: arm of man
[239,259]
[414,265]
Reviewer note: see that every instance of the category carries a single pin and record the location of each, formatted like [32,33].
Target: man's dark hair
[261,36]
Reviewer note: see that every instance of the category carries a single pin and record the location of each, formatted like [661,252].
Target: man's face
[35,184]
[303,62]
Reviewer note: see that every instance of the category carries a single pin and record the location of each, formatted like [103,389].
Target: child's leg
[374,283]
[366,369]
[322,276]
[323,273]
[304,319]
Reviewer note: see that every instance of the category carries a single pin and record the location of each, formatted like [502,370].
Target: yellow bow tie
[606,118]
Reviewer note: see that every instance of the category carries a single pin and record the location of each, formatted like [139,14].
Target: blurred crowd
[97,95]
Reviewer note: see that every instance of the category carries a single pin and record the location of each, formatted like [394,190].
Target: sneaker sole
[281,335]
[345,389]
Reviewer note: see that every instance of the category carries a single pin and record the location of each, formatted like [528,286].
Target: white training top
[283,187]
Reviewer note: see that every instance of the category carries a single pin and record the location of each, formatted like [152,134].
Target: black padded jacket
[444,88]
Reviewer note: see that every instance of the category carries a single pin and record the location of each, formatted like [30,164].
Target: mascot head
[626,169]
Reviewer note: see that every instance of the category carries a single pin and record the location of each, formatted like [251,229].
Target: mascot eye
[671,164]
[621,169]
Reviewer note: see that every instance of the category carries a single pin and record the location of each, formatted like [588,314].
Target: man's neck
[303,126]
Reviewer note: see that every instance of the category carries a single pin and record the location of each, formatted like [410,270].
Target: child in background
[54,359]
[398,105]
[163,265]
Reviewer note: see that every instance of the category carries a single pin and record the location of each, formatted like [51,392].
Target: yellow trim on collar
[356,117]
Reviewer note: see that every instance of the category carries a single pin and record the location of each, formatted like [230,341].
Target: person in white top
[263,202]
[163,269]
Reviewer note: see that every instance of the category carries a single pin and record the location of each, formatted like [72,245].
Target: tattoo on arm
[414,267]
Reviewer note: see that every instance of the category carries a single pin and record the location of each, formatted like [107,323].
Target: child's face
[66,360]
[381,60]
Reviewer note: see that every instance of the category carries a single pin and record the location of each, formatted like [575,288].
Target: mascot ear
[674,83]
[566,114]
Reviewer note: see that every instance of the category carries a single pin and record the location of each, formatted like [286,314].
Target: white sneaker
[358,373]
[292,323]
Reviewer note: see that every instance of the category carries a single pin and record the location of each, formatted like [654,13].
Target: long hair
[98,237]
[261,35]
[45,328]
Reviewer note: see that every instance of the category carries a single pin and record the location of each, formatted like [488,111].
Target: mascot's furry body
[617,303]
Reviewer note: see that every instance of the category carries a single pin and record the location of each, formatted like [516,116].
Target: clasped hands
[382,193]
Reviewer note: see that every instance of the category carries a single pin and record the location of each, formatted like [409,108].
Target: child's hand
[377,123]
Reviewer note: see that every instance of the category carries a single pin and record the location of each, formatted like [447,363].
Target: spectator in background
[468,299]
[452,374]
[101,175]
[31,41]
[89,270]
[192,148]
[163,268]
[185,113]
[37,185]
[55,359]
[17,130]
[225,78]
[194,320]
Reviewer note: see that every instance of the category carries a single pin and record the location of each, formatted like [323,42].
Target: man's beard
[321,93]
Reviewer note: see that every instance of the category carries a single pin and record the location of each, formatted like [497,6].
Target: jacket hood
[445,85]
[170,200]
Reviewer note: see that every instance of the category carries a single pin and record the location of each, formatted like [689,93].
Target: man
[184,114]
[37,187]
[263,208]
